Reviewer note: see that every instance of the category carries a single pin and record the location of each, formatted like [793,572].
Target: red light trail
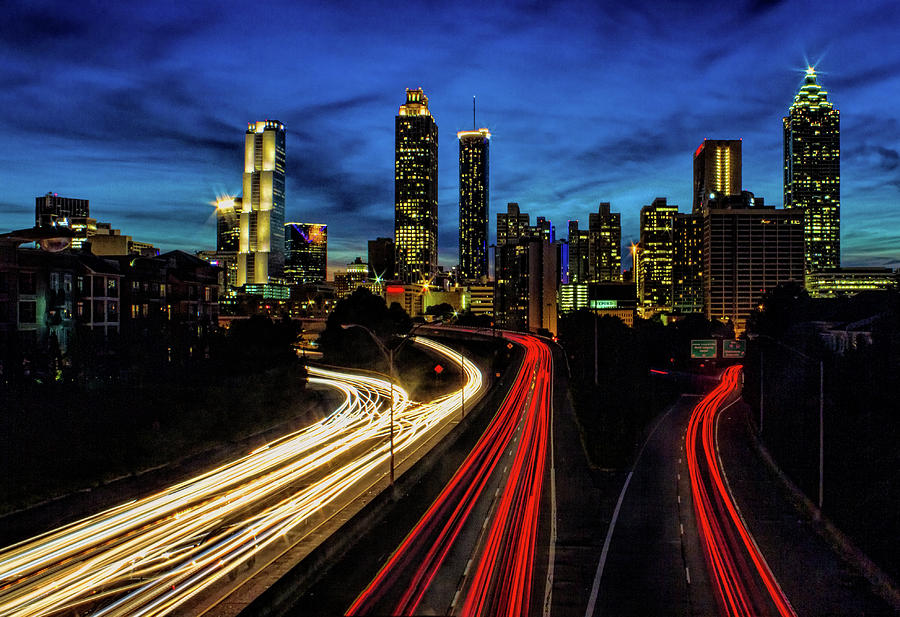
[502,581]
[735,565]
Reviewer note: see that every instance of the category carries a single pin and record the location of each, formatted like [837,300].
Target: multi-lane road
[675,542]
[152,556]
[743,583]
[482,530]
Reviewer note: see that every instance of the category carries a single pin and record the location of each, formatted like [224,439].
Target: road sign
[704,348]
[733,349]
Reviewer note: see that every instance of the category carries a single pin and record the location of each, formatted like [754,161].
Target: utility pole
[595,350]
[821,430]
[761,391]
[462,391]
[393,378]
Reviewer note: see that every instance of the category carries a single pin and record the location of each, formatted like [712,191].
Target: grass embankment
[57,440]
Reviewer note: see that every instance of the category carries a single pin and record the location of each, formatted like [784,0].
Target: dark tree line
[615,411]
[861,393]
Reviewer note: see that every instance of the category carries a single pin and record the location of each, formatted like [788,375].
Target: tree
[440,310]
[260,343]
[354,346]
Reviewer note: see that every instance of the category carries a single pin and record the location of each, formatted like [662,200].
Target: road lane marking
[687,574]
[595,589]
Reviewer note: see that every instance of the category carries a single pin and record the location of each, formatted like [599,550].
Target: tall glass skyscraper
[474,202]
[717,169]
[261,250]
[656,253]
[605,245]
[228,224]
[306,257]
[812,172]
[415,188]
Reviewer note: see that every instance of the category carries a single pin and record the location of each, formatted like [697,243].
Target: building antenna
[474,123]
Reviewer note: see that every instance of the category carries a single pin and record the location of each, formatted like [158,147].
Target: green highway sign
[704,348]
[734,349]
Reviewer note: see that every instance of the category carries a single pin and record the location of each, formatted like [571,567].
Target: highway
[741,578]
[484,539]
[153,555]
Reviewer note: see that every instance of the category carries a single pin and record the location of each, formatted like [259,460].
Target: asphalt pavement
[654,565]
[585,501]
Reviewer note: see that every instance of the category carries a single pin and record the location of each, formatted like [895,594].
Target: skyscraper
[474,202]
[579,252]
[382,256]
[656,254]
[544,229]
[228,224]
[261,250]
[687,263]
[812,171]
[306,257]
[748,249]
[717,169]
[415,188]
[605,242]
[512,225]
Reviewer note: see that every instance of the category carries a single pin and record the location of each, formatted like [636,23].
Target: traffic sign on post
[704,348]
[733,349]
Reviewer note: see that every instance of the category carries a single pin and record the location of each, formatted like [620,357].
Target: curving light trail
[733,559]
[502,581]
[150,556]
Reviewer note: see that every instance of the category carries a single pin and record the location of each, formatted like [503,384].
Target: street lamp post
[821,404]
[388,354]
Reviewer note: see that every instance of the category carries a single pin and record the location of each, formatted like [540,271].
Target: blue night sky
[141,107]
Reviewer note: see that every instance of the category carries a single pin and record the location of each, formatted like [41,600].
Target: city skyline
[618,125]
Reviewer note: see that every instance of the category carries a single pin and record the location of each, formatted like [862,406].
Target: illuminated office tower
[415,188]
[474,203]
[656,254]
[748,249]
[51,209]
[357,273]
[579,252]
[306,255]
[513,225]
[812,172]
[261,250]
[544,229]
[228,224]
[605,245]
[687,263]
[717,169]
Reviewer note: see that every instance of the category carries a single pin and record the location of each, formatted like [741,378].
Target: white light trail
[149,556]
